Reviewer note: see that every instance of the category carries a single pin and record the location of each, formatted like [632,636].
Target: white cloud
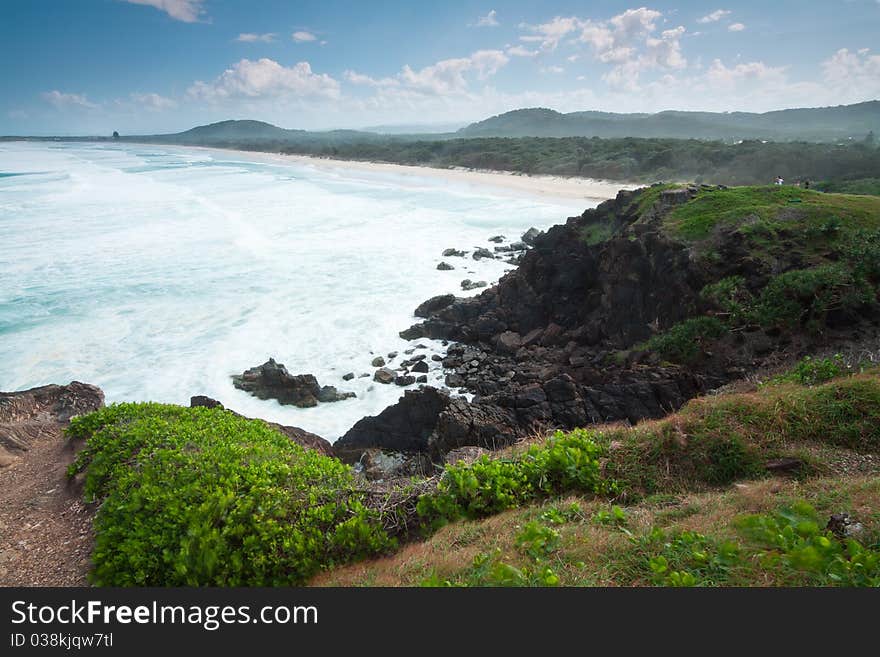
[553,70]
[152,101]
[549,34]
[736,27]
[64,100]
[250,37]
[520,51]
[635,23]
[302,36]
[444,78]
[266,78]
[715,16]
[489,20]
[853,72]
[719,75]
[187,11]
[359,78]
[627,41]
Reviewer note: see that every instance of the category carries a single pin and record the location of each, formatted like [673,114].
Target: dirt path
[45,529]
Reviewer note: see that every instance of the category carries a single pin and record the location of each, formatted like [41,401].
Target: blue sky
[143,66]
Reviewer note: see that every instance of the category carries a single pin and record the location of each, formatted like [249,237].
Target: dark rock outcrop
[403,427]
[29,415]
[271,380]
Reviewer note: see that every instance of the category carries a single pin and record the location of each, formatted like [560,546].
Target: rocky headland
[574,335]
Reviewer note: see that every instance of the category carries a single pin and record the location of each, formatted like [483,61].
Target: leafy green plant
[536,541]
[812,371]
[686,558]
[197,496]
[793,541]
[556,516]
[615,516]
[566,462]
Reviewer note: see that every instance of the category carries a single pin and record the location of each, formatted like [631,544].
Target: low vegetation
[199,497]
[204,497]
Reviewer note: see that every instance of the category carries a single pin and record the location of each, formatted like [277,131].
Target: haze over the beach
[94,66]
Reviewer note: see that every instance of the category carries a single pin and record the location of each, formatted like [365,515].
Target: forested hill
[809,124]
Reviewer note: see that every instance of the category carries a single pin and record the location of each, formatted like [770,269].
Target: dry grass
[593,554]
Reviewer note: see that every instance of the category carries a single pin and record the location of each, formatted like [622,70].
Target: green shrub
[566,462]
[204,497]
[732,297]
[683,342]
[806,296]
[862,252]
[810,371]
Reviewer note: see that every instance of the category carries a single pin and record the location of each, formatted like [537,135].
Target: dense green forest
[638,160]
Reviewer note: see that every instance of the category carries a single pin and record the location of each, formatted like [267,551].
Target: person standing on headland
[779,180]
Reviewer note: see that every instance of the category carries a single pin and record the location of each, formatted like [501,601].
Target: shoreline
[561,187]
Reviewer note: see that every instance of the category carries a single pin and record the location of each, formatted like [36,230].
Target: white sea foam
[157,272]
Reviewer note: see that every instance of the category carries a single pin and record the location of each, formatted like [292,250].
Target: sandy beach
[559,187]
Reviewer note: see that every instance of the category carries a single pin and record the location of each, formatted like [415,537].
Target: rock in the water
[445,266]
[468,284]
[378,361]
[529,236]
[497,239]
[482,252]
[454,253]
[420,366]
[422,379]
[271,380]
[434,304]
[384,375]
[331,394]
[205,402]
[348,377]
[392,355]
[404,380]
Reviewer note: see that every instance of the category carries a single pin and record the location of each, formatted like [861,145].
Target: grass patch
[717,440]
[766,209]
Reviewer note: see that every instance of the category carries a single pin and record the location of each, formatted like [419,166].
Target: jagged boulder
[404,427]
[271,380]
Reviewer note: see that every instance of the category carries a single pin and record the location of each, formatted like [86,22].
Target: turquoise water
[156,273]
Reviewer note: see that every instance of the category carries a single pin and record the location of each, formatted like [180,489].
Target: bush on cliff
[567,462]
[198,497]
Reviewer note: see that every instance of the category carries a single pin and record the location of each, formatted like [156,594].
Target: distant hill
[809,124]
[252,135]
[235,130]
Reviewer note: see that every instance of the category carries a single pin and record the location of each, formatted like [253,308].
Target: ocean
[158,272]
